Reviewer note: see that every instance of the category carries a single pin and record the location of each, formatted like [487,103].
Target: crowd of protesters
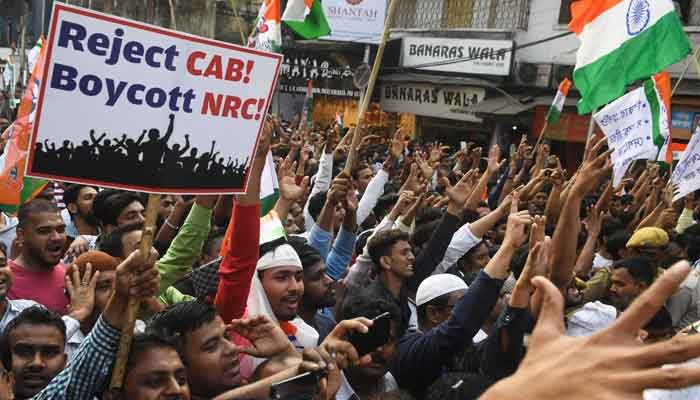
[500,278]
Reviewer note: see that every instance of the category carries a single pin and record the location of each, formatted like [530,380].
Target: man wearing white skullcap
[449,316]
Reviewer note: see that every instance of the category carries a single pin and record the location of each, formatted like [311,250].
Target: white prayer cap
[438,285]
[282,256]
[591,318]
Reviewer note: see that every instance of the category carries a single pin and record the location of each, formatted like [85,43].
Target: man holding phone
[370,380]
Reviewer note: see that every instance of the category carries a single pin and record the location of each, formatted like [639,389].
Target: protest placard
[626,122]
[135,106]
[687,173]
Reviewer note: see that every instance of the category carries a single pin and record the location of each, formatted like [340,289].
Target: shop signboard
[449,102]
[480,56]
[359,21]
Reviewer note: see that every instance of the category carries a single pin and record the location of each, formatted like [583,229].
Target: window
[565,12]
[457,13]
[689,11]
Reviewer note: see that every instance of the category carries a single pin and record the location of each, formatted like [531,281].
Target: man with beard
[78,215]
[38,273]
[629,279]
[318,289]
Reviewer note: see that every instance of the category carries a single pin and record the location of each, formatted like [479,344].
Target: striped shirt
[89,371]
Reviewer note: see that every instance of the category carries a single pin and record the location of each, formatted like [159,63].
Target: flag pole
[149,233]
[591,125]
[370,86]
[694,55]
[542,132]
[234,6]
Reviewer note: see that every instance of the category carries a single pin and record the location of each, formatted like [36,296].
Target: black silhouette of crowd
[143,163]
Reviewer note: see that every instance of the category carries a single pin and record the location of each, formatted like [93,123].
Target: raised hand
[351,202]
[321,361]
[459,193]
[137,277]
[517,222]
[289,190]
[593,168]
[413,181]
[494,163]
[266,337]
[336,342]
[396,146]
[81,292]
[265,139]
[435,153]
[424,167]
[575,372]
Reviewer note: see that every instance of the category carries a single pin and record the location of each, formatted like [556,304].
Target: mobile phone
[463,145]
[377,335]
[300,387]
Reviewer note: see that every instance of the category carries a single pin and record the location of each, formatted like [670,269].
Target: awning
[509,105]
[435,79]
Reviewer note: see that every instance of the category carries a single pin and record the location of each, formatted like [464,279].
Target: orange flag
[662,81]
[14,188]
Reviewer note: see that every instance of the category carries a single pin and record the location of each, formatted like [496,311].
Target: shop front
[440,113]
[329,74]
[438,94]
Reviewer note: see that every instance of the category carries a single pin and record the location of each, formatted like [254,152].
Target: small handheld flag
[558,104]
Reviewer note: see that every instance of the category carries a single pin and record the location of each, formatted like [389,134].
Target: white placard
[627,123]
[450,102]
[129,105]
[482,57]
[687,172]
[355,20]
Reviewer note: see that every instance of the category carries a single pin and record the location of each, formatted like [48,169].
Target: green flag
[313,26]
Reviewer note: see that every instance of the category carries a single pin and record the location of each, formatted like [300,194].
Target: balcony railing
[455,14]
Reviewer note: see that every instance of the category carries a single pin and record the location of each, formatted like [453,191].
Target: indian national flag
[268,32]
[558,104]
[15,188]
[623,41]
[658,93]
[269,186]
[306,18]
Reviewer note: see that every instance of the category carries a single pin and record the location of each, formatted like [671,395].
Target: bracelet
[171,225]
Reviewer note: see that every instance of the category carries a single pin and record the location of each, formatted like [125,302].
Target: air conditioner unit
[561,72]
[532,75]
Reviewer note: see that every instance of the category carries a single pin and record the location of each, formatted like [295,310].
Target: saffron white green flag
[623,41]
[658,91]
[558,104]
[33,54]
[269,186]
[306,18]
[267,35]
